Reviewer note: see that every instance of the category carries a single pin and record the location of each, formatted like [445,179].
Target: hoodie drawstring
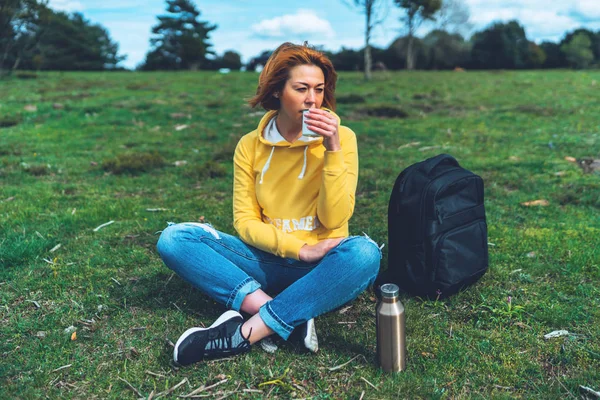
[304,165]
[267,165]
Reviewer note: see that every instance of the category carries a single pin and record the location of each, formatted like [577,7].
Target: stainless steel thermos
[391,336]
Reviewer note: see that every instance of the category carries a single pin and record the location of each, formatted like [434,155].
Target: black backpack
[437,231]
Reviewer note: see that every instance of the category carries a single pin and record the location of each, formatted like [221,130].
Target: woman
[292,198]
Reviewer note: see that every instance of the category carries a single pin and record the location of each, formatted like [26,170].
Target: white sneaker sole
[310,340]
[268,345]
[224,317]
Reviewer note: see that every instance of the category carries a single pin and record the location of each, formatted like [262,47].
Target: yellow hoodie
[287,194]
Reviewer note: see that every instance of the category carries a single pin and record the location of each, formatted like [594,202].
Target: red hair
[277,71]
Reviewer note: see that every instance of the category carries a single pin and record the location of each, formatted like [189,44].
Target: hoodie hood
[273,137]
[268,134]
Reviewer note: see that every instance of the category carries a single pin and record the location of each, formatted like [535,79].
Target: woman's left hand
[326,125]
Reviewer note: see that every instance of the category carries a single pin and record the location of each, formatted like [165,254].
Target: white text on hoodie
[309,223]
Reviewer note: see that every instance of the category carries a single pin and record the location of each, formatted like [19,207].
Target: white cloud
[544,24]
[515,4]
[66,5]
[302,24]
[587,9]
[540,22]
[542,19]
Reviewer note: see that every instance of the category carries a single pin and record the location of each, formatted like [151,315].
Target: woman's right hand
[313,253]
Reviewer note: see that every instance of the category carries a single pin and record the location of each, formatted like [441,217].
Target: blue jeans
[227,269]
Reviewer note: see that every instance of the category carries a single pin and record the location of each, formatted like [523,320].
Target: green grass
[66,168]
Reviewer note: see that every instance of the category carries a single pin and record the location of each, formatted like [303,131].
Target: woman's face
[304,89]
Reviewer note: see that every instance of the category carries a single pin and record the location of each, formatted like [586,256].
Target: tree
[180,40]
[446,50]
[501,46]
[594,39]
[554,57]
[417,11]
[396,55]
[536,57]
[578,51]
[39,38]
[19,25]
[453,17]
[261,60]
[72,43]
[373,17]
[347,60]
[230,59]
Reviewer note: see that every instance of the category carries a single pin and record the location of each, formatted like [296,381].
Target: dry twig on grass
[63,367]
[132,387]
[169,391]
[503,387]
[344,364]
[563,386]
[252,391]
[34,302]
[139,328]
[343,310]
[96,229]
[203,388]
[373,386]
[155,374]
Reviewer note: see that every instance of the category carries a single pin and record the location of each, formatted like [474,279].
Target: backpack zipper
[438,215]
[424,195]
[441,189]
[438,247]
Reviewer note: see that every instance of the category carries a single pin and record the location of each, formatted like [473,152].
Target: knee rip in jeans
[375,243]
[206,227]
[369,240]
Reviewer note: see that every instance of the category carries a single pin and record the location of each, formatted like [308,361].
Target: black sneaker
[308,335]
[216,341]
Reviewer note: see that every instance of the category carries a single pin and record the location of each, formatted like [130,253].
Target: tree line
[500,46]
[35,37]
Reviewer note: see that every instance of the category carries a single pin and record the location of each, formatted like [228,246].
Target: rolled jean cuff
[240,292]
[273,321]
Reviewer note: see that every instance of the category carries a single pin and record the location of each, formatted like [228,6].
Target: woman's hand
[326,125]
[313,253]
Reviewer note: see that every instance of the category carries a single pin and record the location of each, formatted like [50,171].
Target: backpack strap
[431,163]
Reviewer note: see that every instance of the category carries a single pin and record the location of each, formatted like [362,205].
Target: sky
[251,26]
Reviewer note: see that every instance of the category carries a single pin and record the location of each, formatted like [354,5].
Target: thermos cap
[390,290]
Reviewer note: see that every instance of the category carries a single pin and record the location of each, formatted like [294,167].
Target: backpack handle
[433,162]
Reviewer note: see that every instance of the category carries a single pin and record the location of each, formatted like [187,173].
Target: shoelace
[224,342]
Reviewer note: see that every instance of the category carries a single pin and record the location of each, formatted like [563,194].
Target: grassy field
[78,150]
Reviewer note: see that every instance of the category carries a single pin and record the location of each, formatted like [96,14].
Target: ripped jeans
[227,269]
